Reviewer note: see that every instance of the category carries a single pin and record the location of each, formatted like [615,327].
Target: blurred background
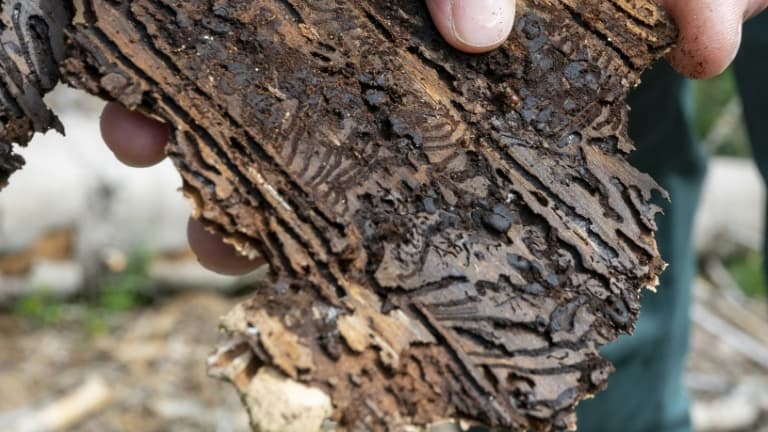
[106,318]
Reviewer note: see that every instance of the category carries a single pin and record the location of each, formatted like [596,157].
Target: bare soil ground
[153,364]
[150,367]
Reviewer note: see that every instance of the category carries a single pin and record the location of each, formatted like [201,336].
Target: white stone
[732,206]
[279,404]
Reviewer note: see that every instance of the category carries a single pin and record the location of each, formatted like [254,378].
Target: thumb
[710,33]
[473,26]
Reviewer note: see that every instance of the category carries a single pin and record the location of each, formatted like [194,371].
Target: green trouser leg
[751,68]
[646,393]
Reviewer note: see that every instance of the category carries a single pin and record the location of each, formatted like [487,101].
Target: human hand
[710,33]
[473,26]
[710,30]
[138,141]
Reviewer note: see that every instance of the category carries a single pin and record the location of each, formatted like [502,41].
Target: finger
[136,140]
[473,26]
[710,33]
[215,255]
[755,7]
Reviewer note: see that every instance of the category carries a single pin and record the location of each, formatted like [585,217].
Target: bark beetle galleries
[451,236]
[31,48]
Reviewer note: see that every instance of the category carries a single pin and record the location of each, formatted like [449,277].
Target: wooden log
[451,236]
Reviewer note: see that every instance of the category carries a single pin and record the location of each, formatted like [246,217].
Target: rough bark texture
[31,48]
[451,236]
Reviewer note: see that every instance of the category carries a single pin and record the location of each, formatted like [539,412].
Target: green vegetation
[128,289]
[98,308]
[747,270]
[40,307]
[710,99]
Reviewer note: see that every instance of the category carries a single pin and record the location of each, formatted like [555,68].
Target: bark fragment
[451,236]
[31,48]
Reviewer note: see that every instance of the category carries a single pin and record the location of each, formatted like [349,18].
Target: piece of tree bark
[451,236]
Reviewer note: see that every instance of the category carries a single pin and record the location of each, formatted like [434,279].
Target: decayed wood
[31,47]
[451,236]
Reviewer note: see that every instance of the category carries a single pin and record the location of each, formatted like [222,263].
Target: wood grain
[451,236]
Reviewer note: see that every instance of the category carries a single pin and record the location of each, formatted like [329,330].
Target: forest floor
[144,369]
[145,372]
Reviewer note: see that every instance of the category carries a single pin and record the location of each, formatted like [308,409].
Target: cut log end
[452,236]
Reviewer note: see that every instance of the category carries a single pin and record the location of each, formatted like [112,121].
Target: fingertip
[135,139]
[215,255]
[710,35]
[473,26]
[703,58]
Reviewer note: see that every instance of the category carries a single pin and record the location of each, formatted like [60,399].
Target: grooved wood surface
[451,236]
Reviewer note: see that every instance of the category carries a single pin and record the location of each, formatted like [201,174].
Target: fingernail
[482,23]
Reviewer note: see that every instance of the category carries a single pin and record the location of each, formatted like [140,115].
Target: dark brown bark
[451,236]
[31,48]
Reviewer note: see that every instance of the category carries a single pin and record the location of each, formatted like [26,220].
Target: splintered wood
[451,236]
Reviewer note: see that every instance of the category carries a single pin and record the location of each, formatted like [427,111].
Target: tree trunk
[451,236]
